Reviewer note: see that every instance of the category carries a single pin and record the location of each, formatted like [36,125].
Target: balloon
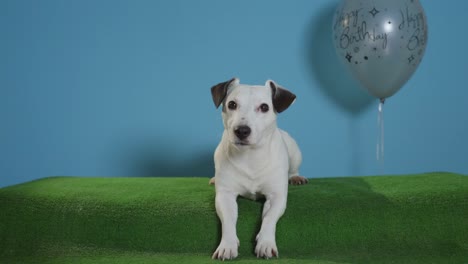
[382,42]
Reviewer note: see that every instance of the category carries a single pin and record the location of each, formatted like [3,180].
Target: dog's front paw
[226,250]
[298,180]
[266,247]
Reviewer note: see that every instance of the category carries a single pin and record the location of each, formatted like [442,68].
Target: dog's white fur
[256,166]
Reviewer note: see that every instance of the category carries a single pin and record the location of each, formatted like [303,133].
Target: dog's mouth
[241,143]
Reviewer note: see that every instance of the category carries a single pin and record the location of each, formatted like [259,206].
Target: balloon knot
[382,100]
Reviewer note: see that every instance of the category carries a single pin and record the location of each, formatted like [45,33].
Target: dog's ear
[219,91]
[281,97]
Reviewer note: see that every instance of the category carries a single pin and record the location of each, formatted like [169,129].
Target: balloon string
[381,136]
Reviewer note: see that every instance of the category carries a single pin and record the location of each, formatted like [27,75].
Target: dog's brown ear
[219,91]
[281,97]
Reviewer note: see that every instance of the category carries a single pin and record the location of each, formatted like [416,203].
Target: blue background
[122,88]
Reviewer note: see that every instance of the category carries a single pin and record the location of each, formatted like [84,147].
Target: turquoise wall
[122,88]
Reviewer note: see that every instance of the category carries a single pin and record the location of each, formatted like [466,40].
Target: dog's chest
[251,186]
[250,169]
[254,174]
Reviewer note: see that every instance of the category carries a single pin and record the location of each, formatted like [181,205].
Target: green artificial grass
[385,219]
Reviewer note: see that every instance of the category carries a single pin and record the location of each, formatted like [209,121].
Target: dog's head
[249,112]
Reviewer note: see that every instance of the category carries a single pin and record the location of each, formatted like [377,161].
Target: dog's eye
[264,108]
[232,105]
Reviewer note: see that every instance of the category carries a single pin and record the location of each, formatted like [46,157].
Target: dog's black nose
[242,132]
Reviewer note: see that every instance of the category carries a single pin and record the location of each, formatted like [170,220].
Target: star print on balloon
[374,12]
[382,42]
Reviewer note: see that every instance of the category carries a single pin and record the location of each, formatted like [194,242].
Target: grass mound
[386,219]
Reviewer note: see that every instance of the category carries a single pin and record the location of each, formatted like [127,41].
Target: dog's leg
[212,181]
[273,209]
[226,207]
[295,160]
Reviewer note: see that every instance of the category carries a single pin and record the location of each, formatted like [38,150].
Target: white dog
[254,159]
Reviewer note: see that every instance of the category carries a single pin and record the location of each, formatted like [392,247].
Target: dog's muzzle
[242,132]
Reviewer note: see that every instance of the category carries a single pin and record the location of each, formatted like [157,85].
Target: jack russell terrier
[254,159]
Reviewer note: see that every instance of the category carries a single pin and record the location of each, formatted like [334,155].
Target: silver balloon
[381,41]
